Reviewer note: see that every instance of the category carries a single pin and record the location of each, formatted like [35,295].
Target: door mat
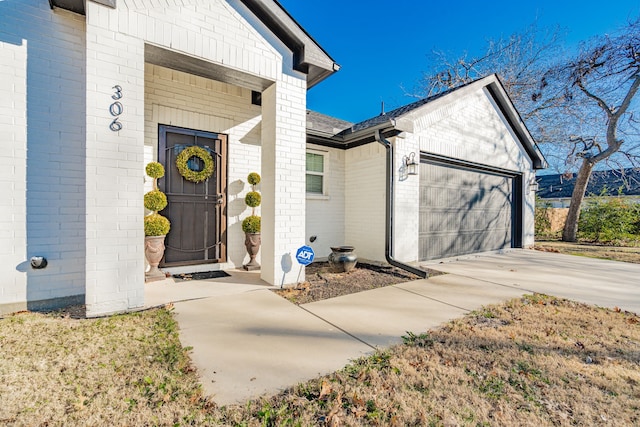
[201,276]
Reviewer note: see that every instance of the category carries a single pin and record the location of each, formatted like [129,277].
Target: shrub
[251,224]
[155,170]
[155,200]
[253,199]
[541,219]
[156,225]
[636,224]
[609,219]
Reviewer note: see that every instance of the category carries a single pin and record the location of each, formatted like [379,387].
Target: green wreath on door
[182,163]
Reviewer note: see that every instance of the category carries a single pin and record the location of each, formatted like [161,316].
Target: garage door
[464,210]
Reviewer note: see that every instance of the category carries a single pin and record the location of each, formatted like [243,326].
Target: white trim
[317,196]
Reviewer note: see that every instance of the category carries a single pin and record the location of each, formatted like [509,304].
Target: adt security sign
[305,255]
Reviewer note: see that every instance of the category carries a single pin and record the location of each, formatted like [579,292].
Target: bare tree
[519,60]
[600,88]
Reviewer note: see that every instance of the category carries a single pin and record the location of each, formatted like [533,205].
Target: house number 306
[116,109]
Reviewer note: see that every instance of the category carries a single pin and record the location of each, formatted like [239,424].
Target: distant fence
[557,218]
[550,221]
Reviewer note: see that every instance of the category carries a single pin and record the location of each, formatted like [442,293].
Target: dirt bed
[322,283]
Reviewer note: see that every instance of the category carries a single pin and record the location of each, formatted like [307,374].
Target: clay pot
[252,242]
[342,259]
[154,251]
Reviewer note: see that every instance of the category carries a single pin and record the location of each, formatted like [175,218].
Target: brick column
[13,175]
[115,167]
[283,179]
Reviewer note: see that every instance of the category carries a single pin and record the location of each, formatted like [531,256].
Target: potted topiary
[251,224]
[156,226]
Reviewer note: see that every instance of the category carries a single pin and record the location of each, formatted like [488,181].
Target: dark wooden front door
[197,211]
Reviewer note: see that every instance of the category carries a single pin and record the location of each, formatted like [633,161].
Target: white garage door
[464,210]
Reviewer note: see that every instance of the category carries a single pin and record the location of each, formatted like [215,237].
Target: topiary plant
[251,224]
[156,225]
[155,200]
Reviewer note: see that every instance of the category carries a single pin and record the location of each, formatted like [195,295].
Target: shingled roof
[398,112]
[624,182]
[325,130]
[322,123]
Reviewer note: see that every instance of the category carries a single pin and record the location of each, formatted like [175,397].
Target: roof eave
[387,129]
[308,56]
[499,93]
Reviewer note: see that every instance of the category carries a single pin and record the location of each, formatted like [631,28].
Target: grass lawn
[531,361]
[615,253]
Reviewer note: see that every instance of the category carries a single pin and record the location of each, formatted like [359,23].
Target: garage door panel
[463,211]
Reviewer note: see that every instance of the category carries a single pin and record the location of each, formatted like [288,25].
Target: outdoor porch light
[410,164]
[533,184]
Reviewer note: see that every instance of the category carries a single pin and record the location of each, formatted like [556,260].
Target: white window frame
[323,174]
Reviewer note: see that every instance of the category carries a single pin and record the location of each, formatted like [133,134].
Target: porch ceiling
[180,62]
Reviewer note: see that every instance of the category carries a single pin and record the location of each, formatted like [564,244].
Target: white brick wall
[115,269]
[41,161]
[179,99]
[365,200]
[325,215]
[13,169]
[283,184]
[471,129]
[407,196]
[213,30]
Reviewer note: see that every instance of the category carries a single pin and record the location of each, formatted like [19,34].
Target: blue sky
[383,46]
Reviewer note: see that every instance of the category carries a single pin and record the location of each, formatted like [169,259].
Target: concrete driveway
[593,281]
[249,342]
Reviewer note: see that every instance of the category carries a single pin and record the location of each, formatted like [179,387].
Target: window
[315,173]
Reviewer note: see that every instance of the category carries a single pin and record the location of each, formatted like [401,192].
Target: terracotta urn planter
[154,251]
[342,259]
[252,242]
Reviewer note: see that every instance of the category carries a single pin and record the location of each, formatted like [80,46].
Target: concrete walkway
[249,342]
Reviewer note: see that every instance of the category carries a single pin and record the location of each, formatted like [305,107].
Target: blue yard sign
[305,255]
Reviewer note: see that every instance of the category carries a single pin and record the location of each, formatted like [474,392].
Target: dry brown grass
[121,370]
[531,361]
[614,253]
